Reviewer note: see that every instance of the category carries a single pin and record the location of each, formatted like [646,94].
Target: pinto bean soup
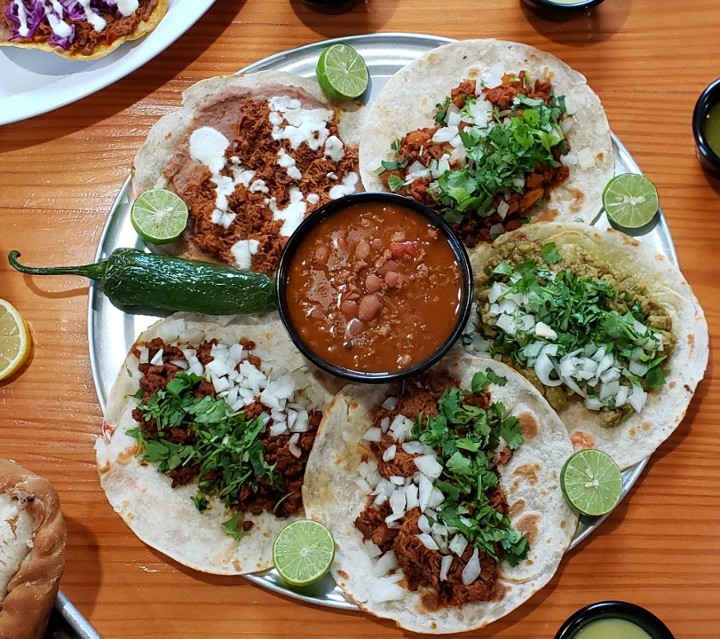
[374,285]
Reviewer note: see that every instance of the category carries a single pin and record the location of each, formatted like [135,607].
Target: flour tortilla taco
[442,495]
[608,329]
[74,31]
[205,439]
[251,155]
[491,134]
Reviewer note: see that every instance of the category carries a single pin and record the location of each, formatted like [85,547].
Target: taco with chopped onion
[491,134]
[77,30]
[205,438]
[251,155]
[442,495]
[609,330]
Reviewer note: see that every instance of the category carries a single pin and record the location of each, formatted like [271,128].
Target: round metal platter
[112,331]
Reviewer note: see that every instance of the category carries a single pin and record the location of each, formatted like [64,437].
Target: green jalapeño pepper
[131,277]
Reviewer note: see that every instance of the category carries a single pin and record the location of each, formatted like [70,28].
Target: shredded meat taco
[491,134]
[606,328]
[251,156]
[442,494]
[77,30]
[205,439]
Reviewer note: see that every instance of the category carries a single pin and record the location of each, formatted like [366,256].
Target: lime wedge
[159,216]
[15,342]
[591,482]
[303,552]
[630,200]
[341,72]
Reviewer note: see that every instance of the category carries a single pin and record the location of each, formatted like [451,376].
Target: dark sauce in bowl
[373,287]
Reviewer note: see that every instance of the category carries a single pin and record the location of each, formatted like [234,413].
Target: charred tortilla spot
[582,440]
[691,341]
[343,574]
[529,524]
[646,426]
[528,472]
[516,508]
[529,425]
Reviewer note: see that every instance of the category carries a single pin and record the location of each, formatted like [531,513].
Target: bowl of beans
[374,287]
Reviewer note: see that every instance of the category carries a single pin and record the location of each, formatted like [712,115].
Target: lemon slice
[342,72]
[15,342]
[159,216]
[630,200]
[591,481]
[303,552]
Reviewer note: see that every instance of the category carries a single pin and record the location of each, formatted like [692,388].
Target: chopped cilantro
[234,526]
[395,183]
[220,446]
[466,437]
[550,253]
[499,152]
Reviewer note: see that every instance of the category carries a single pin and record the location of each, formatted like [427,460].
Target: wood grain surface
[59,175]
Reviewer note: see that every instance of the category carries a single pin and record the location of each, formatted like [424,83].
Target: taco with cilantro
[205,439]
[491,134]
[609,330]
[442,495]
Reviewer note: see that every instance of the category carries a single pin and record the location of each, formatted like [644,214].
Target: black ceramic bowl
[303,237]
[614,610]
[556,10]
[710,97]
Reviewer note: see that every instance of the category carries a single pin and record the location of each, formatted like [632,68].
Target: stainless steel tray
[112,331]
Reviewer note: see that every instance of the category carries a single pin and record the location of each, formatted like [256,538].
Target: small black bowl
[555,10]
[709,160]
[614,610]
[336,206]
[330,6]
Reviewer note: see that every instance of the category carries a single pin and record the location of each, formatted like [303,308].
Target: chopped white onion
[372,434]
[294,449]
[372,549]
[427,541]
[428,465]
[472,569]
[389,453]
[445,564]
[458,544]
[385,564]
[385,590]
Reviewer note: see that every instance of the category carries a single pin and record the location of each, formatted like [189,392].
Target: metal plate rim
[119,215]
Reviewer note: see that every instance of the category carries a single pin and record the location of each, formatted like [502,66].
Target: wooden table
[59,175]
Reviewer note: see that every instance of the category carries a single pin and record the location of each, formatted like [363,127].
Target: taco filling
[573,327]
[252,164]
[436,516]
[76,27]
[216,416]
[496,150]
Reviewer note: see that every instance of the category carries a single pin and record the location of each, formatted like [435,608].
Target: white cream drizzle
[95,19]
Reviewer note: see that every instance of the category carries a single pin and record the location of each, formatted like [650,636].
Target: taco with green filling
[609,330]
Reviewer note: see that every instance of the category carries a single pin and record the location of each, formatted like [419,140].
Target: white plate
[34,82]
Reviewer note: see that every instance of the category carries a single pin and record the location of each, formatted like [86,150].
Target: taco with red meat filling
[205,438]
[442,495]
[491,134]
[251,155]
[77,30]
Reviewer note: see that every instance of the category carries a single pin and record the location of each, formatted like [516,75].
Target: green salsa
[612,629]
[712,128]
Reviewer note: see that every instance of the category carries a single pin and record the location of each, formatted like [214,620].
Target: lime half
[591,482]
[630,200]
[303,552]
[341,72]
[159,216]
[15,342]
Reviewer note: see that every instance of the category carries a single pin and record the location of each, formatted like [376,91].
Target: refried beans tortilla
[205,438]
[607,328]
[442,495]
[251,156]
[491,134]
[74,31]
